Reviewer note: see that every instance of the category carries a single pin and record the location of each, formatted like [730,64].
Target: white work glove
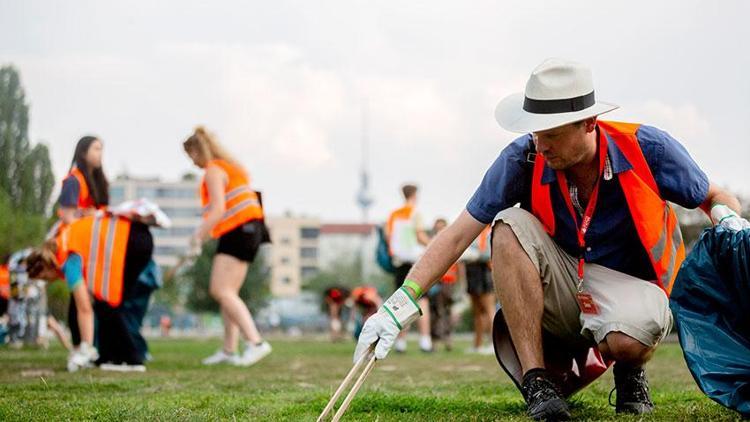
[397,312]
[722,215]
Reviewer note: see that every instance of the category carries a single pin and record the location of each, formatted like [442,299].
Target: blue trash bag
[383,254]
[711,304]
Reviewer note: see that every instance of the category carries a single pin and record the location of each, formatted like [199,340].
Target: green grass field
[295,382]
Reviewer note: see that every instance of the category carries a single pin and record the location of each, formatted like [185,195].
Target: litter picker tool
[368,362]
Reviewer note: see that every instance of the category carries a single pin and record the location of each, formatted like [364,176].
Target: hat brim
[511,116]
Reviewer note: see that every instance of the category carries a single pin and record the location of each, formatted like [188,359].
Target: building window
[309,232]
[153,192]
[285,260]
[286,280]
[308,272]
[285,241]
[308,252]
[116,194]
[169,250]
[144,192]
[182,212]
[173,232]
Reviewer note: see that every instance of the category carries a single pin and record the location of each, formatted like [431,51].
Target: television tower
[364,196]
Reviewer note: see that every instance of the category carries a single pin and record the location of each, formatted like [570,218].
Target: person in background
[84,191]
[232,213]
[335,298]
[479,286]
[441,300]
[406,241]
[4,285]
[109,273]
[364,302]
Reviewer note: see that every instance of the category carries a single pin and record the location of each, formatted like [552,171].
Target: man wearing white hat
[589,257]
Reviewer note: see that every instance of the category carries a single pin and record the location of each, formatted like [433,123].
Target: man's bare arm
[717,195]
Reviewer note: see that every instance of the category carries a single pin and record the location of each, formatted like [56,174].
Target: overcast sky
[283,84]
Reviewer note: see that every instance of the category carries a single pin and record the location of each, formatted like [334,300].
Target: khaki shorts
[635,307]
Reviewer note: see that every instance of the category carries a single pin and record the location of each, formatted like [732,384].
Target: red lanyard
[590,207]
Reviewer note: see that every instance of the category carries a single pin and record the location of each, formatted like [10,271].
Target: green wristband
[414,286]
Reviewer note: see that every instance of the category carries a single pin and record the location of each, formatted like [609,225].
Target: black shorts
[399,275]
[243,241]
[478,279]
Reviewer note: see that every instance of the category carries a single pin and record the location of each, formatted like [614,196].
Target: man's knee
[504,240]
[623,348]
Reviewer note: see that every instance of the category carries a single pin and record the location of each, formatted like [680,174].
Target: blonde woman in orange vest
[100,256]
[232,213]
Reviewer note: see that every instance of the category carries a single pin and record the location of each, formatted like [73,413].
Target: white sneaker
[400,345]
[89,351]
[471,350]
[425,343]
[83,357]
[123,367]
[253,354]
[220,357]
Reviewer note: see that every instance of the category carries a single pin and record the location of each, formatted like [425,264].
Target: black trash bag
[711,305]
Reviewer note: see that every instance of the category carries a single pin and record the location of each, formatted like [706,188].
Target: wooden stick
[343,385]
[357,385]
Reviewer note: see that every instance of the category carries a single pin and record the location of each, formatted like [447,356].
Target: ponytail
[206,145]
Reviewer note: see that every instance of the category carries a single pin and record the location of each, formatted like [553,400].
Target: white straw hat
[558,92]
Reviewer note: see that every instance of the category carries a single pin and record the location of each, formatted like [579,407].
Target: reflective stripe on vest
[101,241]
[654,219]
[241,203]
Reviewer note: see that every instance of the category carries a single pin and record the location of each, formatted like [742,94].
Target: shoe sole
[553,410]
[119,368]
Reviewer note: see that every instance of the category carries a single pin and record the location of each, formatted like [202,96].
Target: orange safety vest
[451,276]
[654,218]
[85,200]
[4,282]
[402,235]
[365,296]
[101,241]
[241,203]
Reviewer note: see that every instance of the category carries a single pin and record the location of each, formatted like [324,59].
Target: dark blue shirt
[69,193]
[611,240]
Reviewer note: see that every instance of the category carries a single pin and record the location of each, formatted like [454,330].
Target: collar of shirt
[614,156]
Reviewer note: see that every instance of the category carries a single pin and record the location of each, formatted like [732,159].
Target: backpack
[382,254]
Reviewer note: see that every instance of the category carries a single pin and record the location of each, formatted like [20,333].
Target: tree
[26,178]
[254,290]
[14,125]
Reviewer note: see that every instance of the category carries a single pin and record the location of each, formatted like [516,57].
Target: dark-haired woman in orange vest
[232,213]
[84,190]
[101,256]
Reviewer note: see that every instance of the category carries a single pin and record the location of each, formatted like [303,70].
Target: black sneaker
[544,400]
[632,391]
